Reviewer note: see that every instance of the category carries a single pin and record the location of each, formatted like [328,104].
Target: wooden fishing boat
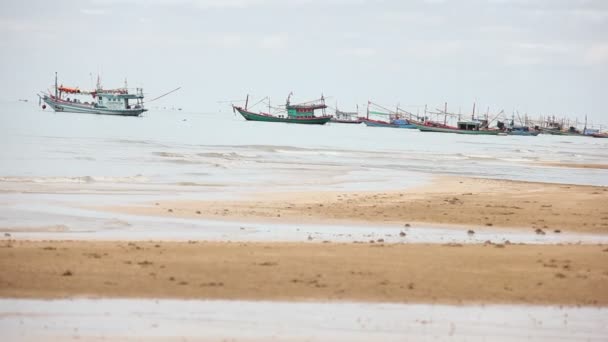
[346,117]
[294,113]
[394,123]
[103,101]
[464,127]
[522,131]
[600,135]
[393,119]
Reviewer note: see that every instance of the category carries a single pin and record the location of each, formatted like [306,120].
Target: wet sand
[446,200]
[374,272]
[578,165]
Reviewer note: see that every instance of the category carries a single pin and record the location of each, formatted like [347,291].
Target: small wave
[310,152]
[81,179]
[478,156]
[168,154]
[138,142]
[227,155]
[515,160]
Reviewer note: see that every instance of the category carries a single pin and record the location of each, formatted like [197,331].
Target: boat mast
[424,119]
[473,117]
[445,113]
[368,110]
[55,84]
[322,101]
[246,101]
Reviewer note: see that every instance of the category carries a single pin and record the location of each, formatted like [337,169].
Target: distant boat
[464,127]
[522,130]
[600,135]
[103,101]
[393,123]
[294,113]
[393,119]
[346,117]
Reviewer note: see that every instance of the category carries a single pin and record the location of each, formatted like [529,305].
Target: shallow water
[176,148]
[144,319]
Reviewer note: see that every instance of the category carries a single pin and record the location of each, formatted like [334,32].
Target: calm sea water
[207,151]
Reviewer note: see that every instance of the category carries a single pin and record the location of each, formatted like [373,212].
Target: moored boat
[294,113]
[346,117]
[522,131]
[464,127]
[394,123]
[104,101]
[389,119]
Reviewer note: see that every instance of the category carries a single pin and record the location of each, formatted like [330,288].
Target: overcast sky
[535,56]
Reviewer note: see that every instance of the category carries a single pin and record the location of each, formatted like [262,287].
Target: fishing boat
[473,127]
[302,113]
[522,131]
[393,119]
[394,123]
[102,101]
[346,117]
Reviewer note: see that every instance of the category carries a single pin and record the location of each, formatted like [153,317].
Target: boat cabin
[303,111]
[119,100]
[469,125]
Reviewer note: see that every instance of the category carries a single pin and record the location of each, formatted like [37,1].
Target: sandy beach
[446,200]
[373,272]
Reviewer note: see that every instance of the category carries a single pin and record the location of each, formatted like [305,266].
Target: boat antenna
[165,94]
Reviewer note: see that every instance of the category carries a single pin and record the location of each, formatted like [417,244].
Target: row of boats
[121,102]
[304,113]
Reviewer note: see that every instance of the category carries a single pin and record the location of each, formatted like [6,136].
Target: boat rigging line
[165,94]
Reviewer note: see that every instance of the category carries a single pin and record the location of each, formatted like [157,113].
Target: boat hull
[372,123]
[320,120]
[457,131]
[346,121]
[524,134]
[70,107]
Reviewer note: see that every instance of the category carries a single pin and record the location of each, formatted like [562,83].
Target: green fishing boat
[302,113]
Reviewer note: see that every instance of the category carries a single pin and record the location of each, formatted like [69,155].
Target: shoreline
[449,201]
[336,272]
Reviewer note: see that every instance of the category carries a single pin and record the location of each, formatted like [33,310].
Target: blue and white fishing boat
[103,101]
[388,118]
[394,123]
[522,130]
